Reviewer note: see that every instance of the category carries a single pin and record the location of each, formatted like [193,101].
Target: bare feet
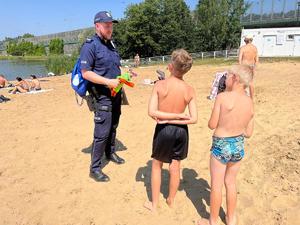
[230,222]
[170,202]
[202,222]
[148,205]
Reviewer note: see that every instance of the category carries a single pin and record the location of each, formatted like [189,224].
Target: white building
[272,42]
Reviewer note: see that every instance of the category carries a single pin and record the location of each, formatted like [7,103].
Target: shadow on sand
[196,189]
[119,147]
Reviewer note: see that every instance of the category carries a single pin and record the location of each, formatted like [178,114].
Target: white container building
[273,42]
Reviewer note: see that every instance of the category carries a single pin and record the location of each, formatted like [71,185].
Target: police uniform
[100,56]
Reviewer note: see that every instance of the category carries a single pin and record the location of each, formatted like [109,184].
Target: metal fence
[226,54]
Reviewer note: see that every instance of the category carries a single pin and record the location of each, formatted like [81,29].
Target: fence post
[202,55]
[214,54]
[226,54]
[149,59]
[163,59]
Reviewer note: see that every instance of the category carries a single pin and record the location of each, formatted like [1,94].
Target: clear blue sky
[40,17]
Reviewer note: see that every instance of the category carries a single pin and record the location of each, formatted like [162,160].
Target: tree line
[156,27]
[26,48]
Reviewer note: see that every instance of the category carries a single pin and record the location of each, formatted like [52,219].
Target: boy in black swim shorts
[168,101]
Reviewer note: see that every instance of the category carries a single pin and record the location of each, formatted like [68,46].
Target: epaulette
[89,40]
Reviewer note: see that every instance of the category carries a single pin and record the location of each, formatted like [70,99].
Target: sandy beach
[45,155]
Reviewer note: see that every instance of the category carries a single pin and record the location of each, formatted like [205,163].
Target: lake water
[22,68]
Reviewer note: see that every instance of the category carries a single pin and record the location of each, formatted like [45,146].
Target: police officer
[100,64]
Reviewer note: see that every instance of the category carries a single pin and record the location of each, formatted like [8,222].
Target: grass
[28,58]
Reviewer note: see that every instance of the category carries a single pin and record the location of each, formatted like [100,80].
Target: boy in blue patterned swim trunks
[228,149]
[232,120]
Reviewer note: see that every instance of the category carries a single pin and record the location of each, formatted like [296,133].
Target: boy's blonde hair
[181,60]
[244,72]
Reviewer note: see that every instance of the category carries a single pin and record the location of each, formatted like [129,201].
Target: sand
[45,155]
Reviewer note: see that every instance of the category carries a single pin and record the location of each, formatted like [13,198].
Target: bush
[56,46]
[25,48]
[60,64]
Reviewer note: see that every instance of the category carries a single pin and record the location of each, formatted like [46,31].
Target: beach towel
[39,91]
[218,85]
[33,91]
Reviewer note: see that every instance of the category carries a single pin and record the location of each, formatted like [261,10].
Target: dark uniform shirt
[101,57]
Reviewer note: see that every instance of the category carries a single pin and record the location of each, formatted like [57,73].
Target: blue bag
[79,84]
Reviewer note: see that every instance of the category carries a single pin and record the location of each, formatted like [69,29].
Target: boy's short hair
[1,75]
[181,60]
[245,73]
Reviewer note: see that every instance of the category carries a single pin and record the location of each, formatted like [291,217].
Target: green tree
[155,27]
[27,35]
[218,24]
[236,10]
[56,46]
[25,48]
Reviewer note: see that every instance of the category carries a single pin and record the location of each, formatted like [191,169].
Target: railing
[226,54]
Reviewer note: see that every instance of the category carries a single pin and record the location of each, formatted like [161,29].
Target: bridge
[272,13]
[72,39]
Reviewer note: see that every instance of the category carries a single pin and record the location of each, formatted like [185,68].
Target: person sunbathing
[3,81]
[35,83]
[21,86]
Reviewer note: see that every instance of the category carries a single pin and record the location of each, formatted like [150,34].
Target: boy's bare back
[236,110]
[174,95]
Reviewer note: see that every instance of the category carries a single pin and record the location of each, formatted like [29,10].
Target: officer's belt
[105,108]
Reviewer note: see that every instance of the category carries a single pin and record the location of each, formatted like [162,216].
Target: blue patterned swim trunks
[228,149]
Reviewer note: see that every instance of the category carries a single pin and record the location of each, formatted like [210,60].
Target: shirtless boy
[232,120]
[168,101]
[248,56]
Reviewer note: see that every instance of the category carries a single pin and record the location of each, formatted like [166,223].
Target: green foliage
[25,48]
[155,27]
[56,46]
[61,64]
[218,24]
[27,35]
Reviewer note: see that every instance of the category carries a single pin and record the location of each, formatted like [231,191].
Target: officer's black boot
[99,176]
[115,158]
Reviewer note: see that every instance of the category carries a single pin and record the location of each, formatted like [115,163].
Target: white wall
[274,42]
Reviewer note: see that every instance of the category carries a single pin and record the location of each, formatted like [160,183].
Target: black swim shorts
[170,141]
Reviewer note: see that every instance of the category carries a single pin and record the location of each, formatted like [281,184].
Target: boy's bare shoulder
[159,83]
[223,95]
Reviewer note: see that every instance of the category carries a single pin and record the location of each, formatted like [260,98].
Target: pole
[298,13]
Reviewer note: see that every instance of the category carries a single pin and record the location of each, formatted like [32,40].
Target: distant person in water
[21,86]
[3,81]
[35,84]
